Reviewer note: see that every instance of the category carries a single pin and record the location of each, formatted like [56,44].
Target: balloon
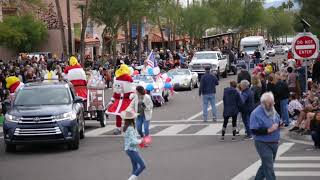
[141,145]
[167,85]
[149,87]
[147,140]
[156,71]
[131,71]
[135,72]
[168,79]
[150,71]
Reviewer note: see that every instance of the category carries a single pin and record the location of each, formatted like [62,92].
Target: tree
[84,22]
[22,33]
[310,12]
[69,28]
[61,27]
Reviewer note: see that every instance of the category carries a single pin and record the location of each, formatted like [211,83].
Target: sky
[268,3]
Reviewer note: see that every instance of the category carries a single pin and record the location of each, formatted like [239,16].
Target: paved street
[183,148]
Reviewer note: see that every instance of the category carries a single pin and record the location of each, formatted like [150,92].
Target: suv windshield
[250,48]
[206,56]
[42,96]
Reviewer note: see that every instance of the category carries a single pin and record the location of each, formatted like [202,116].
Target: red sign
[305,46]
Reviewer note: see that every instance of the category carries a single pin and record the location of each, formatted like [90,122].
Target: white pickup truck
[214,59]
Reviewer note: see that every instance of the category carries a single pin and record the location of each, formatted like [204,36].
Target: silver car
[184,79]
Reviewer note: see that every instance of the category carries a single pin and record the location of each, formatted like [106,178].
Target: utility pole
[69,29]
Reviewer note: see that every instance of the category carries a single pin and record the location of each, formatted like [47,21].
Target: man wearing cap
[207,89]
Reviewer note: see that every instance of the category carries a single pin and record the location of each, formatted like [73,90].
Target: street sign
[305,46]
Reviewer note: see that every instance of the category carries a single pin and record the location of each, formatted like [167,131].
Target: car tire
[225,73]
[10,148]
[102,118]
[74,145]
[82,131]
[191,86]
[218,74]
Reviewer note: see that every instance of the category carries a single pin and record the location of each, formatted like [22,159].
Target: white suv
[214,59]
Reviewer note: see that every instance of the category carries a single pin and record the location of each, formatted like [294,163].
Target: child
[131,142]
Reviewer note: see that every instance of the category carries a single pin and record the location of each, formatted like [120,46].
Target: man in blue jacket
[247,106]
[231,104]
[207,89]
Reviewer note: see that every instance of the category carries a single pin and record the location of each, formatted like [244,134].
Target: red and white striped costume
[76,75]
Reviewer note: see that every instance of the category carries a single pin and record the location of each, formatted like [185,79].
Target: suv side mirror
[78,99]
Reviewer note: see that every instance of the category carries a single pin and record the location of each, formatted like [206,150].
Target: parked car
[279,49]
[271,52]
[286,48]
[44,112]
[214,59]
[184,79]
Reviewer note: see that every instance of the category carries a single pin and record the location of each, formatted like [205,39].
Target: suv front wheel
[74,145]
[10,148]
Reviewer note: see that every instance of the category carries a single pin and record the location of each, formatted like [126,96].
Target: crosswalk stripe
[99,131]
[297,173]
[211,129]
[297,165]
[173,130]
[299,158]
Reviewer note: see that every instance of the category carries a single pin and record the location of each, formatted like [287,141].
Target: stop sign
[305,46]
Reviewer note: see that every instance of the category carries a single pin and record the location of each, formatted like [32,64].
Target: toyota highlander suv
[44,113]
[214,59]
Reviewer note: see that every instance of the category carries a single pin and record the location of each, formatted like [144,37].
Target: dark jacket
[316,72]
[247,102]
[244,75]
[315,125]
[208,84]
[257,92]
[231,102]
[282,90]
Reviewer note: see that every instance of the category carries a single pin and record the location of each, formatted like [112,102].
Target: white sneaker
[133,177]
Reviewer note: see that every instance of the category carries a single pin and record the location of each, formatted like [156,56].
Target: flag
[151,60]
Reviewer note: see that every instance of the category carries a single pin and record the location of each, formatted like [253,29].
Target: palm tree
[69,29]
[61,26]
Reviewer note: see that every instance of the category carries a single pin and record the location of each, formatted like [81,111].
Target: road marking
[297,173]
[173,130]
[99,131]
[211,129]
[252,170]
[299,158]
[297,165]
[200,113]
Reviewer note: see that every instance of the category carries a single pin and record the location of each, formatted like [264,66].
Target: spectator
[316,71]
[231,104]
[292,80]
[244,75]
[282,91]
[294,106]
[247,106]
[257,56]
[256,89]
[264,124]
[315,130]
[207,89]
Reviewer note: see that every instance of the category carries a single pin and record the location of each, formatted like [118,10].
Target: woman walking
[131,142]
[256,89]
[142,104]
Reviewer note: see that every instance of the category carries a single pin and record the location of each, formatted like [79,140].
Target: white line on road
[297,165]
[299,158]
[200,113]
[297,173]
[211,129]
[252,170]
[173,130]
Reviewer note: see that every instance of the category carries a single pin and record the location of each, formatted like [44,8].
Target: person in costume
[77,76]
[121,99]
[13,84]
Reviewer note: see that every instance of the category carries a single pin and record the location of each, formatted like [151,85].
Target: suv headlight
[214,67]
[12,118]
[65,116]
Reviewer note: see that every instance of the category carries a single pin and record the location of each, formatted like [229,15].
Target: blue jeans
[246,121]
[137,163]
[267,153]
[209,98]
[284,111]
[141,120]
[316,138]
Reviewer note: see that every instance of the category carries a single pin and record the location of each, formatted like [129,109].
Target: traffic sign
[305,46]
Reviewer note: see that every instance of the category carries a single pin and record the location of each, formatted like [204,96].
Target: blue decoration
[167,85]
[149,87]
[150,71]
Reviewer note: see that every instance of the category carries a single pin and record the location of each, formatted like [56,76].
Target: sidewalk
[297,138]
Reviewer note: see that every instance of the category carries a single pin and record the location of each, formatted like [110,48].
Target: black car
[44,112]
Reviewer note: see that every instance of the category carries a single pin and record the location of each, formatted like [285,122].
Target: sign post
[305,46]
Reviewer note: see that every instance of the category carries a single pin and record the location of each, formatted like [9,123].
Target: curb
[293,137]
